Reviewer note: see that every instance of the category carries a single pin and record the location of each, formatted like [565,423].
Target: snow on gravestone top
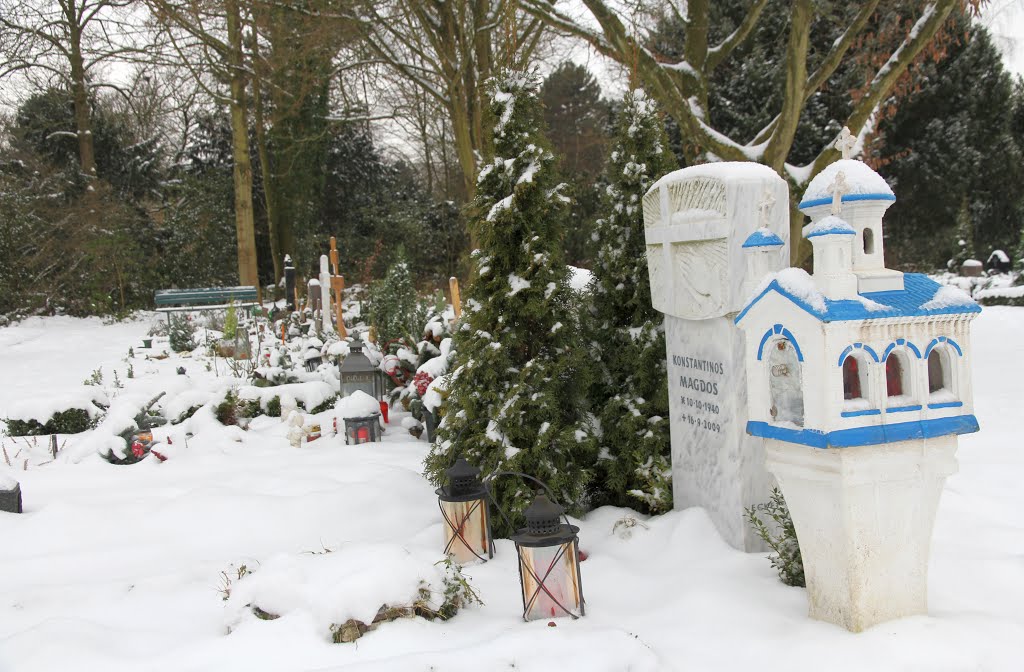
[7,483]
[860,181]
[695,223]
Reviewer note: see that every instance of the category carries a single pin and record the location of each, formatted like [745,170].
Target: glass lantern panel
[465,530]
[358,434]
[550,581]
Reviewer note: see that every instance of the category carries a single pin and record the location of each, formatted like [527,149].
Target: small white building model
[858,378]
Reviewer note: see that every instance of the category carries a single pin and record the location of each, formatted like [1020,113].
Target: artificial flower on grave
[421,381]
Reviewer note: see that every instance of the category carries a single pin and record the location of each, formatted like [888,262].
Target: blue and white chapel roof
[763,237]
[921,296]
[863,184]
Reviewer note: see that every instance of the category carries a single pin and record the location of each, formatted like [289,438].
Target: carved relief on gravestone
[691,244]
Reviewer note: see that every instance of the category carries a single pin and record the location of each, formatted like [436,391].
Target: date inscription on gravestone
[700,381]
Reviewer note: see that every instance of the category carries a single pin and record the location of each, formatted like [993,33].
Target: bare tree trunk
[269,186]
[83,116]
[244,226]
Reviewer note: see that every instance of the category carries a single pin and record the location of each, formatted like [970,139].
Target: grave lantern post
[357,373]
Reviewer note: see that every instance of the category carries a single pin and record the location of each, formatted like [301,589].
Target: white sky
[1005,18]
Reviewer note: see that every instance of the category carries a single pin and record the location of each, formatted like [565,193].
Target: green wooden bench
[204,298]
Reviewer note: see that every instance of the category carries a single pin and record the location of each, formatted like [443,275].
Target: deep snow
[118,567]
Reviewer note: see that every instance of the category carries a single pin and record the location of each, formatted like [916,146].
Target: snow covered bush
[393,306]
[522,369]
[626,334]
[412,372]
[181,332]
[71,421]
[70,412]
[785,557]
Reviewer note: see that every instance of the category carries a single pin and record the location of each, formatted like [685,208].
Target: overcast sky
[1005,18]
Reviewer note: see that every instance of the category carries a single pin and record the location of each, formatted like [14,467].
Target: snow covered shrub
[181,332]
[274,407]
[393,306]
[70,421]
[227,411]
[322,407]
[412,372]
[456,594]
[522,368]
[626,333]
[785,558]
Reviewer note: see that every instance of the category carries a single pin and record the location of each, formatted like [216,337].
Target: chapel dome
[763,237]
[863,184]
[829,226]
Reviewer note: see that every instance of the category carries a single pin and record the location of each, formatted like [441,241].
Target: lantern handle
[487,483]
[487,480]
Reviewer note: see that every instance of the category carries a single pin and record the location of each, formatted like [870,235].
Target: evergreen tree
[394,308]
[577,121]
[964,237]
[955,137]
[627,334]
[522,374]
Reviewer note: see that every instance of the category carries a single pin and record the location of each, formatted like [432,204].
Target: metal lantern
[467,532]
[549,569]
[358,373]
[362,430]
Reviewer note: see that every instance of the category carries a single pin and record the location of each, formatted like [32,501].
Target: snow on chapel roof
[863,184]
[921,296]
[763,237]
[828,226]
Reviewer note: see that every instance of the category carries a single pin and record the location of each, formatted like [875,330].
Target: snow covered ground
[119,567]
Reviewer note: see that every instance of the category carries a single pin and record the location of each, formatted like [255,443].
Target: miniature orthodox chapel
[858,379]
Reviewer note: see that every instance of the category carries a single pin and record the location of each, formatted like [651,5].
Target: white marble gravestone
[696,221]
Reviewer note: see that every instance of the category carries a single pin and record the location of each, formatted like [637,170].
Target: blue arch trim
[901,342]
[858,346]
[943,339]
[779,330]
[846,198]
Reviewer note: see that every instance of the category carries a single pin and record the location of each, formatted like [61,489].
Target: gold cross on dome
[845,142]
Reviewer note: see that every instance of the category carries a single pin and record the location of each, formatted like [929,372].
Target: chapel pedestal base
[864,517]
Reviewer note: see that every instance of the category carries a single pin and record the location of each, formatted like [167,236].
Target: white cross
[837,189]
[845,142]
[765,207]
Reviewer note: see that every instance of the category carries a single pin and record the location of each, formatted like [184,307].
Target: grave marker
[696,221]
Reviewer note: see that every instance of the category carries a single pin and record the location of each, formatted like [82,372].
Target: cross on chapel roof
[765,208]
[838,187]
[845,142]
